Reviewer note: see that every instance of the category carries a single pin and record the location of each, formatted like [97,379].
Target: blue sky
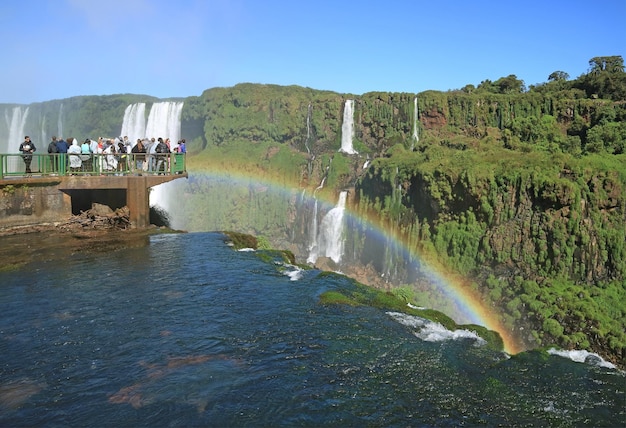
[53,49]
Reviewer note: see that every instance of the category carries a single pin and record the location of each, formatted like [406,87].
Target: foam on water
[582,356]
[431,331]
[295,274]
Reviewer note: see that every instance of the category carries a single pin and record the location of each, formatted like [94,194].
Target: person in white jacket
[73,152]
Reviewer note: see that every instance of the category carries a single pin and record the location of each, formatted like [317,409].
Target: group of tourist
[114,155]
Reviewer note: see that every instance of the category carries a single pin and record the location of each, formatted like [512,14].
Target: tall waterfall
[347,128]
[164,120]
[314,246]
[308,129]
[416,137]
[330,235]
[15,124]
[134,123]
[60,123]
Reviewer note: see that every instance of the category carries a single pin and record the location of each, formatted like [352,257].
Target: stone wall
[24,203]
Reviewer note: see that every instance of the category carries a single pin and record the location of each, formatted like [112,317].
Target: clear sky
[53,49]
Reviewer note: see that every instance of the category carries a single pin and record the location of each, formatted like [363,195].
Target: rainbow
[453,286]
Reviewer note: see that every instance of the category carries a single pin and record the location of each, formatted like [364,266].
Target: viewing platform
[64,184]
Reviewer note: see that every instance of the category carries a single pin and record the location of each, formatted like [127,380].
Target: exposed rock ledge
[99,229]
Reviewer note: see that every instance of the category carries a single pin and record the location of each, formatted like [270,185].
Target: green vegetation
[389,301]
[241,241]
[526,193]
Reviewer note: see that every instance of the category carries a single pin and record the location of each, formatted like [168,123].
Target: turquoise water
[188,332]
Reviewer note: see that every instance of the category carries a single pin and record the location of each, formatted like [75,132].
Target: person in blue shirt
[182,147]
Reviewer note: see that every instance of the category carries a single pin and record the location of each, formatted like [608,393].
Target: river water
[188,332]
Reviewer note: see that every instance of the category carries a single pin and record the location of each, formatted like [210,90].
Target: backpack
[161,148]
[52,147]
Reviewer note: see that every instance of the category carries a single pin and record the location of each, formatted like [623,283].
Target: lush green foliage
[389,301]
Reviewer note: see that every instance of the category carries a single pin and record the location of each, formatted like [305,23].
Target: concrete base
[47,199]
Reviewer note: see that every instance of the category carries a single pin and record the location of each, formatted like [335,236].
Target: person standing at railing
[85,150]
[139,154]
[27,148]
[162,151]
[52,151]
[150,146]
[122,165]
[62,147]
[76,162]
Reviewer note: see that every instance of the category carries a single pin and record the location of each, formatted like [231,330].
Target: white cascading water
[416,137]
[60,124]
[308,129]
[330,236]
[44,137]
[163,121]
[15,125]
[134,123]
[347,128]
[313,247]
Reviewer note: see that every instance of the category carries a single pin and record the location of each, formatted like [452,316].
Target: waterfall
[134,123]
[15,124]
[347,128]
[308,129]
[330,235]
[163,121]
[313,247]
[416,137]
[44,136]
[60,123]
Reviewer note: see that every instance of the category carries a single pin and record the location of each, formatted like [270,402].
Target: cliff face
[547,249]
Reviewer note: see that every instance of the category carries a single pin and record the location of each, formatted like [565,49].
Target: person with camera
[27,148]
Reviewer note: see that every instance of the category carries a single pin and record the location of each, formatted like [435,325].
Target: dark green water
[188,332]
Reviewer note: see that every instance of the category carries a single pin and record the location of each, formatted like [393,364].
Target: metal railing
[64,164]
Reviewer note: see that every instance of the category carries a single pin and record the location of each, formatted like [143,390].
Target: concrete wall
[23,203]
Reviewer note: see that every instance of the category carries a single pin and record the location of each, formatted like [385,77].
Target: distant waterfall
[44,136]
[60,123]
[330,236]
[134,123]
[164,120]
[15,124]
[347,128]
[308,129]
[416,137]
[313,246]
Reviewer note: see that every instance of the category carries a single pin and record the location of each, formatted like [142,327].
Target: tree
[558,75]
[611,64]
[510,85]
[605,79]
